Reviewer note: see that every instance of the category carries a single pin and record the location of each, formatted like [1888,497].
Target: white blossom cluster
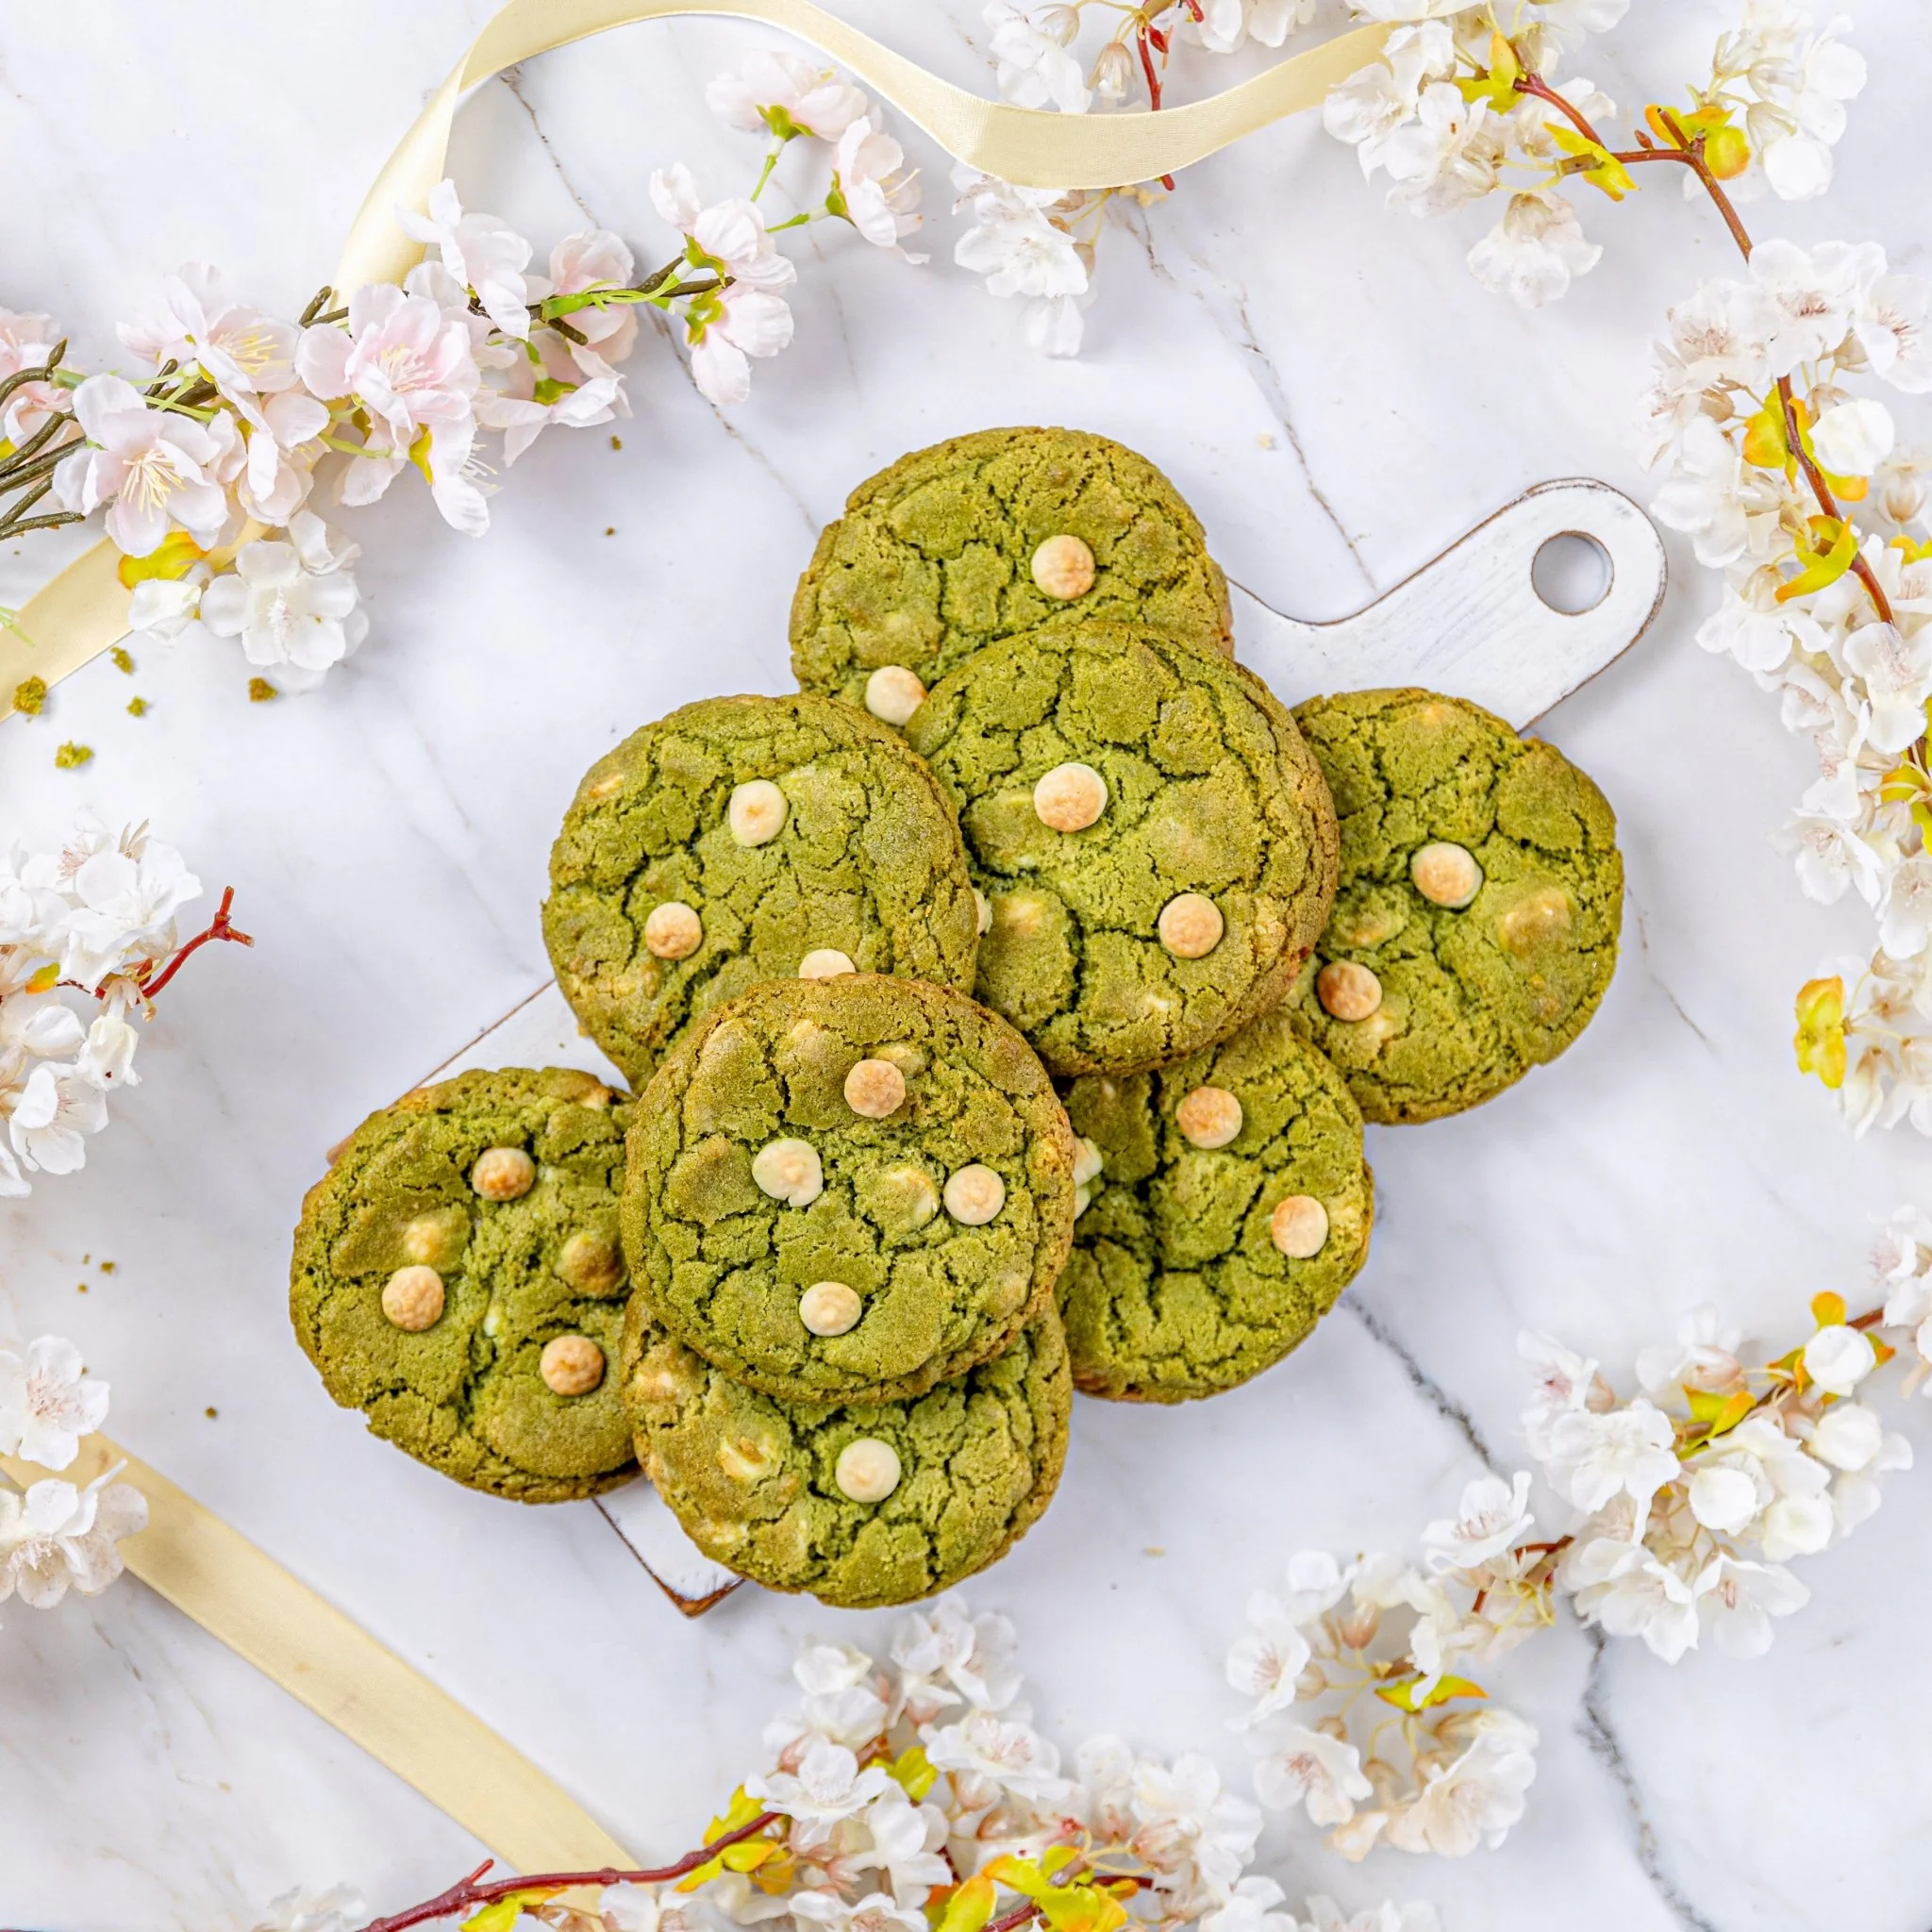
[1358,1714]
[53,1535]
[1851,678]
[209,461]
[1679,1511]
[83,930]
[918,1792]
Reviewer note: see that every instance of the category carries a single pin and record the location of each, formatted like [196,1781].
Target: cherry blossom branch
[469,1893]
[1690,153]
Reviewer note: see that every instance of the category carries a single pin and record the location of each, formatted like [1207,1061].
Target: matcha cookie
[986,537]
[861,1505]
[1155,843]
[748,838]
[1475,928]
[848,1190]
[458,1277]
[1226,1205]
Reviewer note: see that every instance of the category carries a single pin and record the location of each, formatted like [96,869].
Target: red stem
[219,928]
[1153,85]
[466,1893]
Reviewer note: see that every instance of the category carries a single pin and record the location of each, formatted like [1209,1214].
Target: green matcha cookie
[986,537]
[457,1277]
[861,1505]
[1226,1205]
[848,1190]
[1154,842]
[1475,927]
[748,838]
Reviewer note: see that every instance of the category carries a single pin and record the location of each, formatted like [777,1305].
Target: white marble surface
[1339,401]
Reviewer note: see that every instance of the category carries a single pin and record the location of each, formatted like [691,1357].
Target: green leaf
[1401,1692]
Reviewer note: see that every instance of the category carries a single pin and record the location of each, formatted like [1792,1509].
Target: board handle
[1471,622]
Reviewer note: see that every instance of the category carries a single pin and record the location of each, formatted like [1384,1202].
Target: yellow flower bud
[1819,1041]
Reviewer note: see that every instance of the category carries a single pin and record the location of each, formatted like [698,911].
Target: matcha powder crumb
[29,695]
[123,660]
[260,690]
[71,757]
[137,708]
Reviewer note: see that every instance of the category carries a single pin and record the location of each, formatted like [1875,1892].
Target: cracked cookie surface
[1200,1260]
[466,1391]
[755,1480]
[1205,791]
[929,1226]
[933,558]
[855,853]
[1464,999]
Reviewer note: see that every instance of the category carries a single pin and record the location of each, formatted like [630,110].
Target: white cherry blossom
[152,468]
[54,1536]
[1627,1451]
[1477,1797]
[1839,1357]
[828,1786]
[291,619]
[1535,251]
[784,94]
[482,252]
[48,1403]
[1006,1755]
[874,195]
[1493,1517]
[1035,70]
[1736,1600]
[1266,1661]
[1303,1766]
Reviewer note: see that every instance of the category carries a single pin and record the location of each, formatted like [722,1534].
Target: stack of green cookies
[1002,1011]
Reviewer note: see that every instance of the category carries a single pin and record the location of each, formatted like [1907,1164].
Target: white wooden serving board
[1471,623]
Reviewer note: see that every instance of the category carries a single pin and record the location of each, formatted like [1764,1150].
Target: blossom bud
[1059,23]
[1333,1724]
[1311,1683]
[1357,1626]
[1717,404]
[1114,72]
[1904,498]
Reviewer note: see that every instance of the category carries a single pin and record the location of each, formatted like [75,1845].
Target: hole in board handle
[1571,572]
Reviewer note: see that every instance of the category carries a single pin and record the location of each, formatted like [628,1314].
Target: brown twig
[218,928]
[467,1893]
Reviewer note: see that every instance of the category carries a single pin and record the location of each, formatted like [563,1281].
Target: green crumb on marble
[123,660]
[617,443]
[29,695]
[260,690]
[71,756]
[137,708]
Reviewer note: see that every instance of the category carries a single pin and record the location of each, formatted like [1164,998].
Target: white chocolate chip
[1190,926]
[985,908]
[757,812]
[572,1364]
[892,693]
[674,931]
[1446,875]
[875,1089]
[589,1262]
[1347,990]
[825,963]
[788,1171]
[745,1459]
[1088,1162]
[1063,567]
[434,1239]
[1299,1227]
[1208,1117]
[412,1298]
[1083,1199]
[502,1173]
[830,1307]
[975,1195]
[1069,797]
[868,1470]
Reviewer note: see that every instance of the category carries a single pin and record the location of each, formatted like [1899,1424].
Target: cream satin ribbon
[190,1556]
[84,611]
[233,1591]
